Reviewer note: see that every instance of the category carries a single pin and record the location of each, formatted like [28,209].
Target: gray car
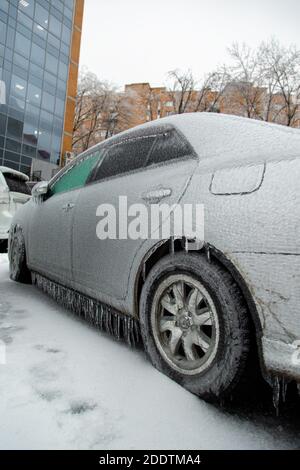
[202,313]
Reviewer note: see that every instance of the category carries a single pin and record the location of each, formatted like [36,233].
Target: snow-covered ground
[67,385]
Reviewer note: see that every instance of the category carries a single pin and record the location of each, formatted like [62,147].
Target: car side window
[76,176]
[125,157]
[169,146]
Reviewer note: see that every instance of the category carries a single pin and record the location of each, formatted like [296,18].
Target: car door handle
[68,207]
[157,195]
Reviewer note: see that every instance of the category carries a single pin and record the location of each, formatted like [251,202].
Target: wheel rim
[185,324]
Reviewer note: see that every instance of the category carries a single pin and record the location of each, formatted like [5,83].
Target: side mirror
[40,189]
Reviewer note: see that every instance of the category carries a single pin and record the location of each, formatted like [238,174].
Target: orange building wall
[72,80]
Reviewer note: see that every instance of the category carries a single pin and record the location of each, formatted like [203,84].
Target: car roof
[22,176]
[224,139]
[236,139]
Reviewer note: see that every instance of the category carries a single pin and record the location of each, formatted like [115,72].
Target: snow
[66,385]
[223,140]
[229,141]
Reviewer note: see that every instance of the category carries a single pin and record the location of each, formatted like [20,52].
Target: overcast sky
[126,41]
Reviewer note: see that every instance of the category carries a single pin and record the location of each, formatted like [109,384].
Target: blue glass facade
[35,39]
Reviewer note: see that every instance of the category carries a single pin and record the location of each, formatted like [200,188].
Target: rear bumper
[283,359]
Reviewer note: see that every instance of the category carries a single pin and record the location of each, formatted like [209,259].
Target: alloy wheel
[185,324]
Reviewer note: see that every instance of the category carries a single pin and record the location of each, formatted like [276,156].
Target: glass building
[39,55]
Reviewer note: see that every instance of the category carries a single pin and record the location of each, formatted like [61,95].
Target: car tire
[18,269]
[187,297]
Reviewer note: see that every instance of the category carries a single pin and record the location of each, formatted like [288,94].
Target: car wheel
[195,324]
[17,258]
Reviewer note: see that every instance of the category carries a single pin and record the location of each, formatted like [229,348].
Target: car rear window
[16,184]
[125,157]
[169,146]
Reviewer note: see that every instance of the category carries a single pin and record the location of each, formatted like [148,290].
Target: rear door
[51,228]
[146,169]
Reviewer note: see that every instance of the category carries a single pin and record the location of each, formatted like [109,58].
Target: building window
[27,6]
[55,26]
[44,143]
[51,63]
[25,20]
[12,156]
[37,55]
[59,107]
[14,129]
[40,30]
[48,102]
[2,32]
[22,45]
[18,92]
[66,34]
[63,71]
[35,38]
[3,120]
[41,16]
[34,95]
[13,145]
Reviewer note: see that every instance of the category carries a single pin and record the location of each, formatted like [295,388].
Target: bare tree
[245,91]
[188,95]
[209,95]
[261,83]
[93,100]
[182,90]
[118,116]
[265,82]
[281,70]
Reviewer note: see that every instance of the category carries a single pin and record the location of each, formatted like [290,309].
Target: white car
[14,192]
[205,316]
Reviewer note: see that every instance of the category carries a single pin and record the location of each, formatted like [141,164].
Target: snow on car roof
[232,138]
[224,140]
[237,138]
[22,176]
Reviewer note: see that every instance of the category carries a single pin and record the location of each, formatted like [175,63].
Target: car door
[146,169]
[51,228]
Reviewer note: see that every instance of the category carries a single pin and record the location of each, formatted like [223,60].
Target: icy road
[66,385]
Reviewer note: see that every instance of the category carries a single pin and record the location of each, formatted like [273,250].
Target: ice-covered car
[14,192]
[201,314]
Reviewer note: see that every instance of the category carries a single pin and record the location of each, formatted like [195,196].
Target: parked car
[201,313]
[14,192]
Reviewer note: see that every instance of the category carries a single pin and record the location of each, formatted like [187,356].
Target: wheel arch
[165,247]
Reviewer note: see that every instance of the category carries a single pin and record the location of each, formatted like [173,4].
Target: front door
[51,229]
[50,233]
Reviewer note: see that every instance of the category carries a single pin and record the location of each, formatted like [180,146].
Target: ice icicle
[284,385]
[102,316]
[276,394]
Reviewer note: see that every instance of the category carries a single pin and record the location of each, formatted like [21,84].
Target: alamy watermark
[154,221]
